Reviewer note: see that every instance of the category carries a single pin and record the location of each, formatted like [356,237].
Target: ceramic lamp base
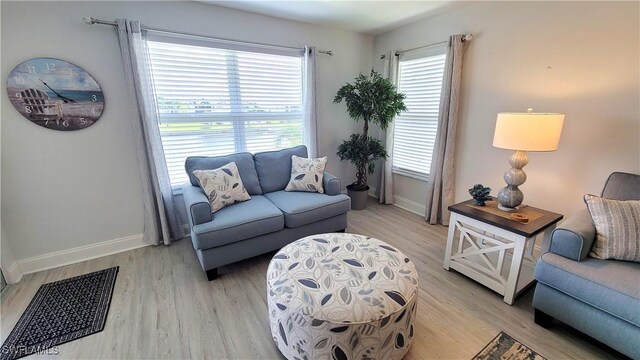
[508,209]
[510,196]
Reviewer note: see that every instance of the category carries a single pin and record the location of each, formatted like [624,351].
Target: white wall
[579,58]
[66,190]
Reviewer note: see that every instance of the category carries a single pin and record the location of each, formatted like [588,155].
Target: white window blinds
[216,101]
[420,79]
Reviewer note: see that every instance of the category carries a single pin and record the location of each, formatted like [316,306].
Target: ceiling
[369,17]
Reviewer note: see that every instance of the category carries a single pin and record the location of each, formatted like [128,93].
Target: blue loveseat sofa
[598,297]
[271,219]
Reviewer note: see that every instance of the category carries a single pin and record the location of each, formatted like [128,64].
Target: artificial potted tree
[372,99]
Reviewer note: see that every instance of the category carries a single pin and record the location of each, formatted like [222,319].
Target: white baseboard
[78,254]
[12,275]
[403,203]
[409,205]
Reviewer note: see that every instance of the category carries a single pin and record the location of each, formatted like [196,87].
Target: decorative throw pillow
[617,225]
[223,186]
[306,174]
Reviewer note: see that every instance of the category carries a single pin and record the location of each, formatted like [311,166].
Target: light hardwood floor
[164,307]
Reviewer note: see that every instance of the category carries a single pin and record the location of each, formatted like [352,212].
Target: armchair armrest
[331,184]
[574,237]
[197,204]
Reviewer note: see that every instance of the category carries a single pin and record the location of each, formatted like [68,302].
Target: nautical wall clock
[55,94]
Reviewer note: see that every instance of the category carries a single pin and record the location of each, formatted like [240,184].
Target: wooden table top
[529,229]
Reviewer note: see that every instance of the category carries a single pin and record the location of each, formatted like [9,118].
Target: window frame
[434,50]
[228,45]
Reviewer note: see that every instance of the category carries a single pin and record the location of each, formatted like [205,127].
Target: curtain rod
[467,37]
[94,21]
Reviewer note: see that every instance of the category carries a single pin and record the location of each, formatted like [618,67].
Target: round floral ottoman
[342,296]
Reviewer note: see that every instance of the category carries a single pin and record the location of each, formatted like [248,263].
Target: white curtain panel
[385,185]
[161,224]
[440,191]
[310,102]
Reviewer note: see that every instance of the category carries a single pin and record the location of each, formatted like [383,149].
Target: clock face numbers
[55,94]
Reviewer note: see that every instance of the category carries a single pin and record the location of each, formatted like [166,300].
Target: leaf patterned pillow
[306,174]
[223,186]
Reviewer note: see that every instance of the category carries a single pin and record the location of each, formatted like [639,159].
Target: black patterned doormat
[60,312]
[504,347]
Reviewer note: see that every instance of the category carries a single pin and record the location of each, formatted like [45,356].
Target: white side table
[495,251]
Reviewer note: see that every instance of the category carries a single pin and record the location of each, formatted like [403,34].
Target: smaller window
[420,79]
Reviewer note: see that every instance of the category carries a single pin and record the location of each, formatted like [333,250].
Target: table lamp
[523,132]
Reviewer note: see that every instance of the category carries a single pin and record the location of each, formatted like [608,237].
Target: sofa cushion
[237,222]
[306,174]
[223,186]
[609,285]
[302,208]
[622,186]
[244,162]
[274,167]
[617,225]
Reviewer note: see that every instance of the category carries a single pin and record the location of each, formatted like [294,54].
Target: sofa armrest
[574,237]
[197,204]
[331,184]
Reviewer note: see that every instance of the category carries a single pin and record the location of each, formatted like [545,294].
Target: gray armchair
[598,297]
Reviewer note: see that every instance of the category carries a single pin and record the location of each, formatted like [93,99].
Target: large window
[216,101]
[420,79]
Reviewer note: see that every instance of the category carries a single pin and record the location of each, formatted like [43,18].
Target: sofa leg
[542,319]
[341,231]
[212,274]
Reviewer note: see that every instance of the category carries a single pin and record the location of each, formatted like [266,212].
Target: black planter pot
[358,196]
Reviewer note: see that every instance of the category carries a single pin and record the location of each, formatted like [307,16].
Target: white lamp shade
[528,131]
